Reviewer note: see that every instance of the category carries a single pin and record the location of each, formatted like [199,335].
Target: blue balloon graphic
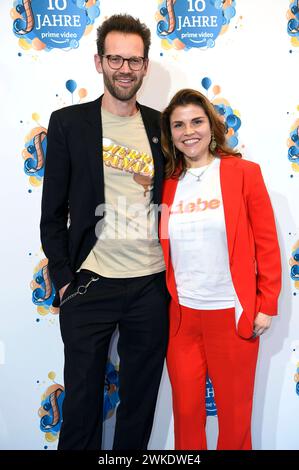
[293,153]
[37,296]
[293,26]
[20,8]
[206,83]
[163,11]
[229,12]
[233,121]
[19,25]
[233,141]
[295,254]
[93,12]
[295,272]
[47,406]
[71,85]
[220,109]
[31,149]
[161,27]
[29,165]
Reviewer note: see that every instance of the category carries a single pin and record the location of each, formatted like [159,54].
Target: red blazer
[254,254]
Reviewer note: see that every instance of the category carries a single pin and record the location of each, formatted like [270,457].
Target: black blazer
[74,184]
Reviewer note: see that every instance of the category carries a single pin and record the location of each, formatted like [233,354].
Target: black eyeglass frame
[108,56]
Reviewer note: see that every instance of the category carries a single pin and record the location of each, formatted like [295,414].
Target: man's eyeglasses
[116,62]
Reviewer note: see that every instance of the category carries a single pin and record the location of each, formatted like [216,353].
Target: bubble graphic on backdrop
[184,24]
[34,153]
[43,289]
[293,22]
[293,146]
[53,24]
[294,263]
[230,116]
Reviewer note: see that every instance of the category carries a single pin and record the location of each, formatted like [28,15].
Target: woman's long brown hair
[175,164]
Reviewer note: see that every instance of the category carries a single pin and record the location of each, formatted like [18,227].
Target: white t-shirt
[198,241]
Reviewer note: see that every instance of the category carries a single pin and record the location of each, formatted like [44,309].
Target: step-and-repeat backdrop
[244,55]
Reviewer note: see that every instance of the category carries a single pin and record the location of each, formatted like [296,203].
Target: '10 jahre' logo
[49,24]
[193,23]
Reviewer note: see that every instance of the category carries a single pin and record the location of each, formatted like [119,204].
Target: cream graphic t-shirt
[128,244]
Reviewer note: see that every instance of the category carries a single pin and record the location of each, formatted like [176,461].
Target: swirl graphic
[43,289]
[293,146]
[31,165]
[47,282]
[50,411]
[51,405]
[25,25]
[171,19]
[293,23]
[293,153]
[34,153]
[294,263]
[39,295]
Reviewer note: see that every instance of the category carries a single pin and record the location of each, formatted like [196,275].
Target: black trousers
[139,307]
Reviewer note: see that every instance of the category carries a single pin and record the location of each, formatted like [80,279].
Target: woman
[223,271]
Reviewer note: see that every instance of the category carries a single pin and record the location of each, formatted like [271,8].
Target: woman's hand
[261,323]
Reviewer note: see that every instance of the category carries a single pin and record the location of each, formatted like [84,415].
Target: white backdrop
[252,67]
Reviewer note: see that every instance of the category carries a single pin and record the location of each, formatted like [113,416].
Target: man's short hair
[125,24]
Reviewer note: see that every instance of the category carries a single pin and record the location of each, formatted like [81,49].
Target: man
[106,264]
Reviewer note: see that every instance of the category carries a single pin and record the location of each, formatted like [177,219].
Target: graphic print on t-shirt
[120,157]
[199,205]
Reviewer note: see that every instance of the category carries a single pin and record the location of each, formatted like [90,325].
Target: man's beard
[119,93]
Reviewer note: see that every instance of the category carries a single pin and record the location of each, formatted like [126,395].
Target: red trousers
[206,343]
